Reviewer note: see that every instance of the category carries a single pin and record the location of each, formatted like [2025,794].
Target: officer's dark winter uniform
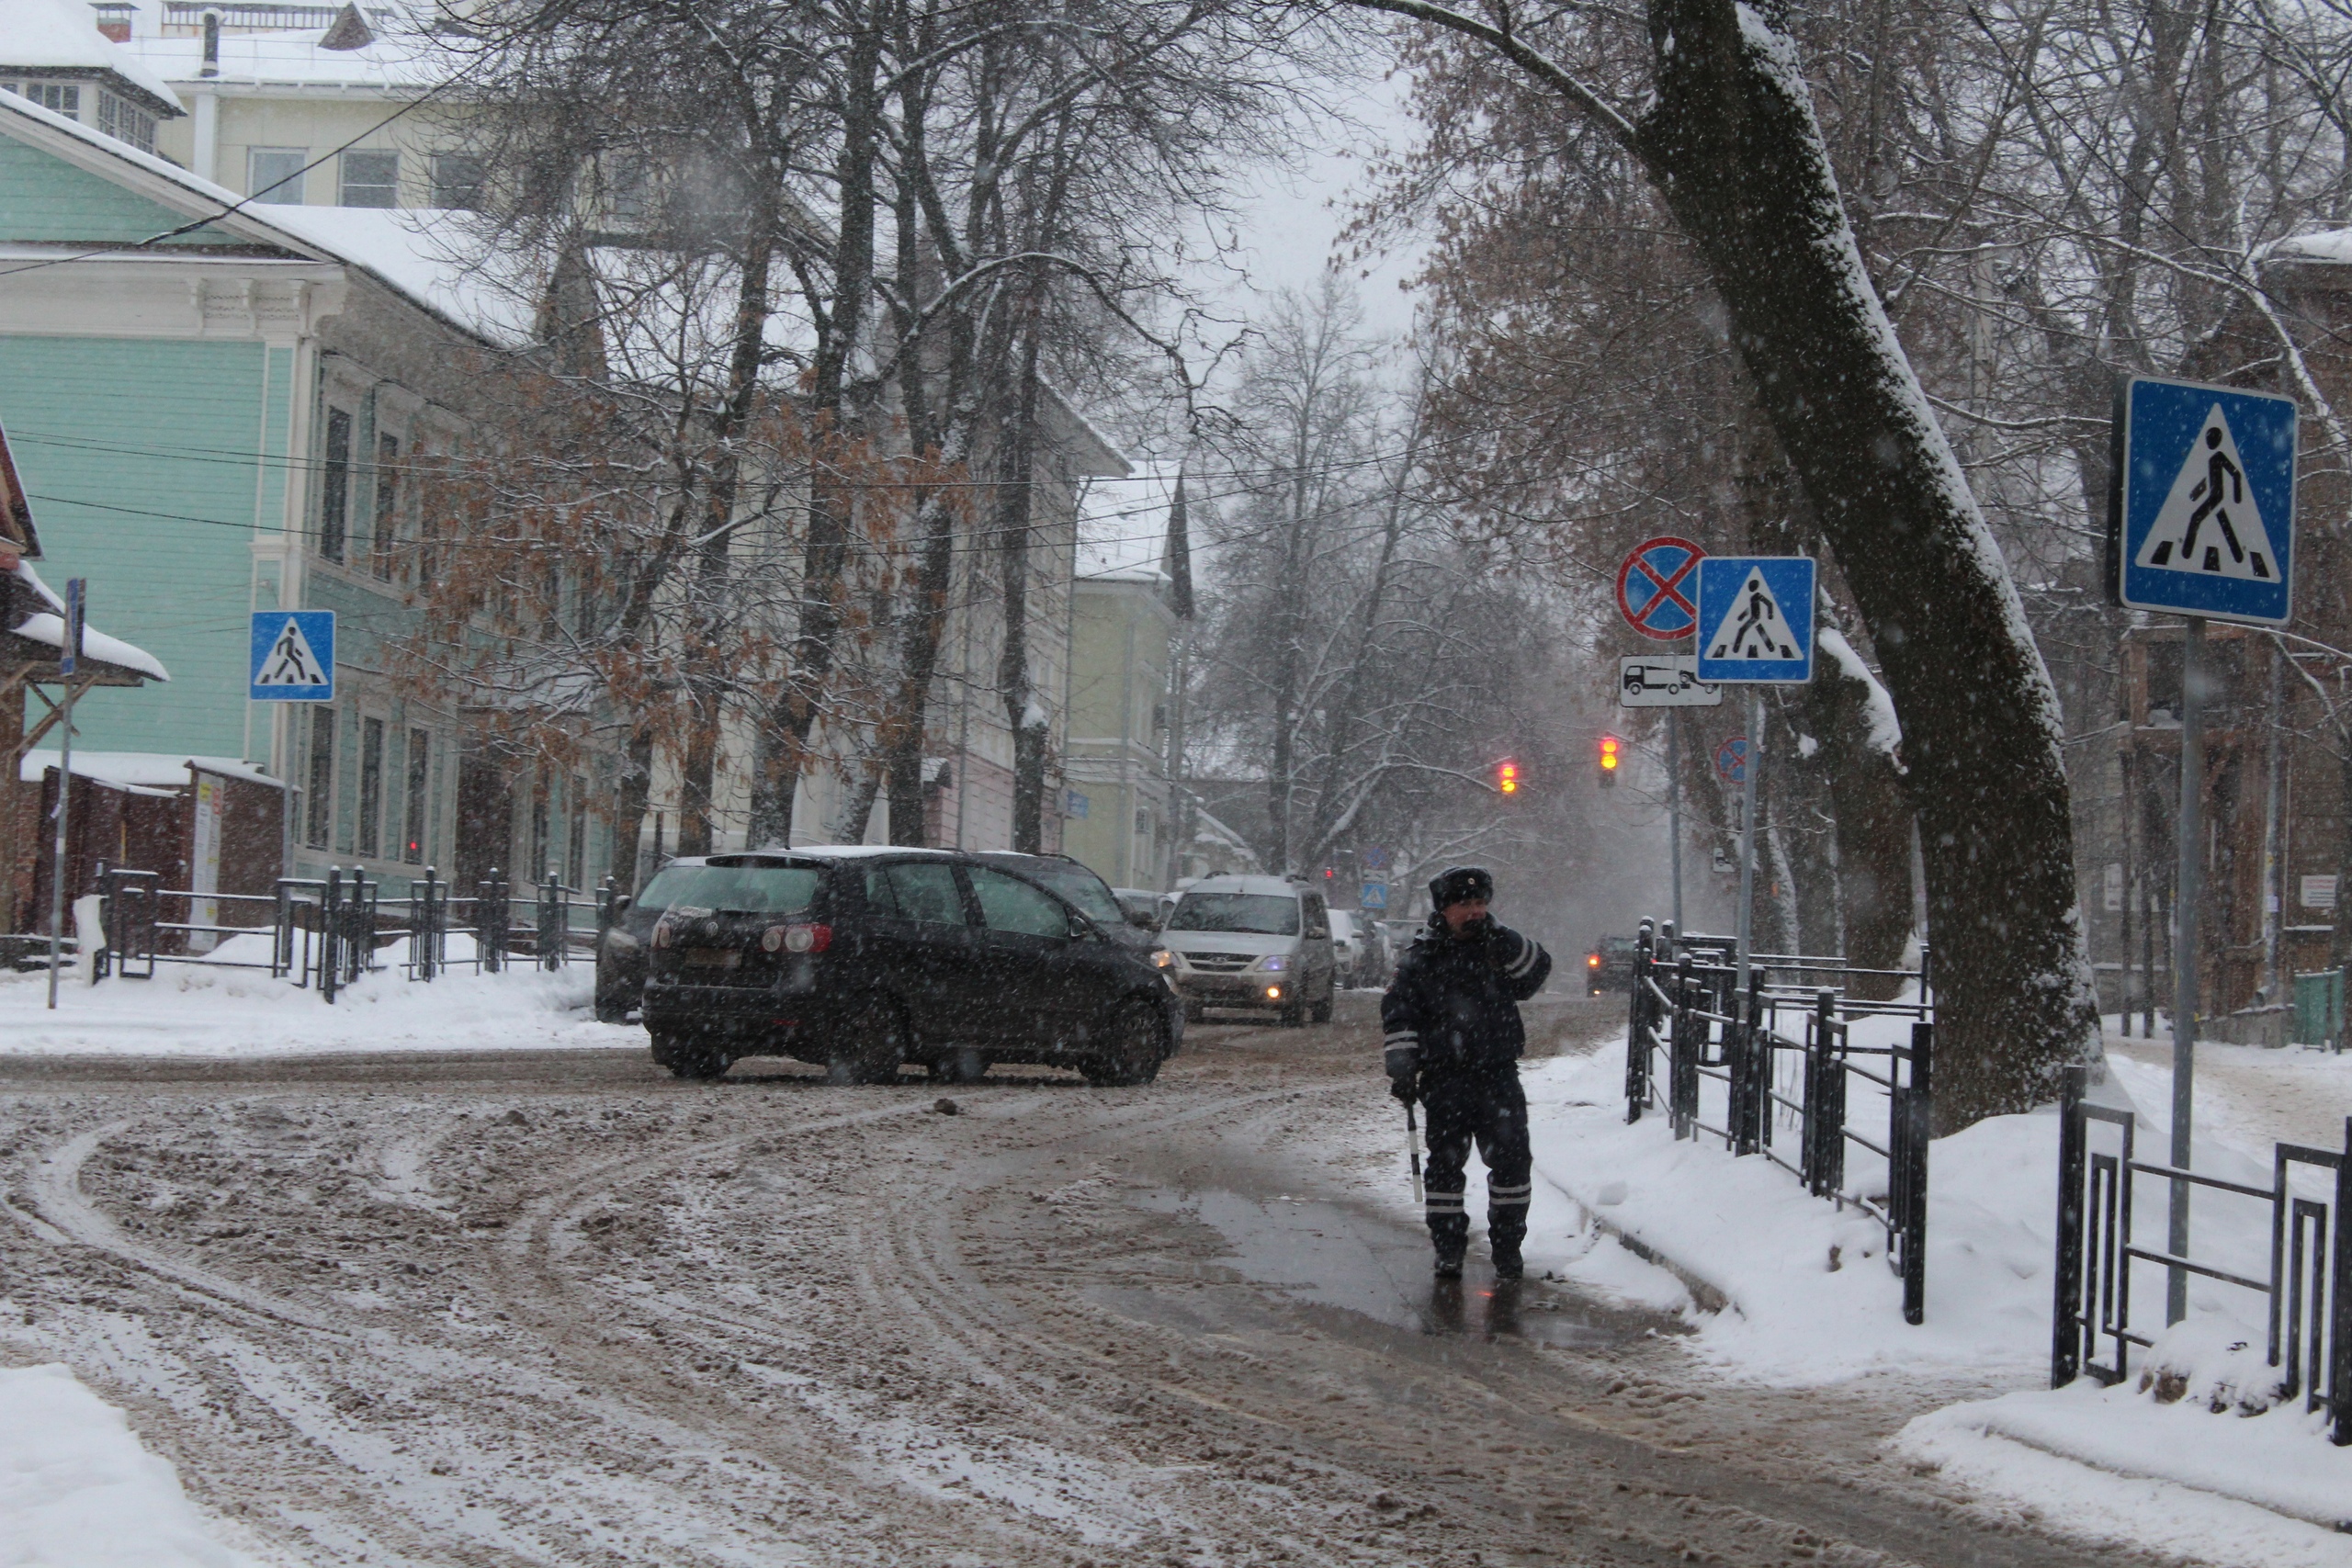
[1454,1040]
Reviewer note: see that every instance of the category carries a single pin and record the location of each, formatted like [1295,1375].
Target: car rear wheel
[870,1046]
[1133,1045]
[688,1056]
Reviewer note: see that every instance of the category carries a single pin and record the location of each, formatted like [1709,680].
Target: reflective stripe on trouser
[1483,1107]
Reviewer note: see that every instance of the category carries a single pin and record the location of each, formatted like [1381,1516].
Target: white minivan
[1260,943]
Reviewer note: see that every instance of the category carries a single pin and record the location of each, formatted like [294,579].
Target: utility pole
[69,662]
[2184,948]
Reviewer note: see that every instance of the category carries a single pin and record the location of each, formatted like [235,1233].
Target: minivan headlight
[1162,959]
[1272,963]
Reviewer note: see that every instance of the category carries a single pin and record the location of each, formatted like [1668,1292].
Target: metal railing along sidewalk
[2306,1289]
[1689,1014]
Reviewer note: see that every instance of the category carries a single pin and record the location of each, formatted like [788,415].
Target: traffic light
[1507,777]
[1611,750]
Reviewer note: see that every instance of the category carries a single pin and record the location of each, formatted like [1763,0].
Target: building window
[576,861]
[457,181]
[126,122]
[371,786]
[320,805]
[371,179]
[335,486]
[388,489]
[420,756]
[276,175]
[58,98]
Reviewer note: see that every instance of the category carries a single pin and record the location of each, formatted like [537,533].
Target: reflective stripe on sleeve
[1526,959]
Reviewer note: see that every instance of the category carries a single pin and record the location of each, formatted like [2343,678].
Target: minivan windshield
[1269,913]
[757,888]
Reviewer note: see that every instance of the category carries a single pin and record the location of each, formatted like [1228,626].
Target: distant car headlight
[1162,959]
[1272,963]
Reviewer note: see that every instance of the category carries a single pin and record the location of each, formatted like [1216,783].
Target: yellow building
[1132,599]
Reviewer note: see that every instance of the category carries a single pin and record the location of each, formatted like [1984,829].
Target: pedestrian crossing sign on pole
[293,656]
[1756,618]
[2202,507]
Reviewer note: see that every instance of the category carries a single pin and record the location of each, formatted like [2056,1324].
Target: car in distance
[1257,942]
[621,950]
[863,961]
[1609,966]
[1145,908]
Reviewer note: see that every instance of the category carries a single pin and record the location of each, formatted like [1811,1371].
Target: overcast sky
[1292,222]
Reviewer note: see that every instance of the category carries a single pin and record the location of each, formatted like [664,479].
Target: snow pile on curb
[1812,1300]
[195,1009]
[2194,1453]
[2115,1465]
[77,1491]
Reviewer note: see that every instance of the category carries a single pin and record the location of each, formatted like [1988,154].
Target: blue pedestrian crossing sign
[293,656]
[1373,896]
[2202,512]
[1756,618]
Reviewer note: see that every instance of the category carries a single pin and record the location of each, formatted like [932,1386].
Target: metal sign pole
[2184,965]
[1674,805]
[68,661]
[1747,830]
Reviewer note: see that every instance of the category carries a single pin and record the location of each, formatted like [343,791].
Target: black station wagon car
[867,960]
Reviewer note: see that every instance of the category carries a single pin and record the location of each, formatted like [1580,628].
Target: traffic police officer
[1453,1041]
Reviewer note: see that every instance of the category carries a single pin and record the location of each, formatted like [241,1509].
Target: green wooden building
[212,406]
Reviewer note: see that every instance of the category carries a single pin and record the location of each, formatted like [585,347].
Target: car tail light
[797,939]
[1592,961]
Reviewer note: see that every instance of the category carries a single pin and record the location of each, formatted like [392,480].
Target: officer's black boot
[1506,1228]
[1450,1235]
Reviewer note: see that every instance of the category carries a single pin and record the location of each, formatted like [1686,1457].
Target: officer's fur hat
[1460,884]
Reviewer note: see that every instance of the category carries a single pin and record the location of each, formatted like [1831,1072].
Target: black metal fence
[325,933]
[2308,1288]
[1784,1051]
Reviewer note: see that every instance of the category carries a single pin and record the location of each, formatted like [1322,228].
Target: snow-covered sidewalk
[197,1010]
[1809,1299]
[78,1491]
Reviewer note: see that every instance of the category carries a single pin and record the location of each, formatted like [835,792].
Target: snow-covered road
[549,1307]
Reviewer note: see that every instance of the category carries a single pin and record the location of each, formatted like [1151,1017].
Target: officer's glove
[1403,1064]
[1502,946]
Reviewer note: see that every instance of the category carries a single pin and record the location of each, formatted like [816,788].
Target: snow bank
[209,1010]
[2194,1453]
[1812,1300]
[77,1491]
[2113,1465]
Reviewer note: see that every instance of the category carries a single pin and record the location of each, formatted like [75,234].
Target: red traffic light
[1507,777]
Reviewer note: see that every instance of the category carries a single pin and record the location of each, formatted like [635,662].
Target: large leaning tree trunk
[1730,140]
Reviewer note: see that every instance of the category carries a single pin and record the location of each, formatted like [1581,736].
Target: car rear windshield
[1269,913]
[1075,882]
[755,890]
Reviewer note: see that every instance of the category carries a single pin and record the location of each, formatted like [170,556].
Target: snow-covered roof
[416,253]
[423,255]
[48,627]
[402,61]
[164,770]
[62,35]
[1122,525]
